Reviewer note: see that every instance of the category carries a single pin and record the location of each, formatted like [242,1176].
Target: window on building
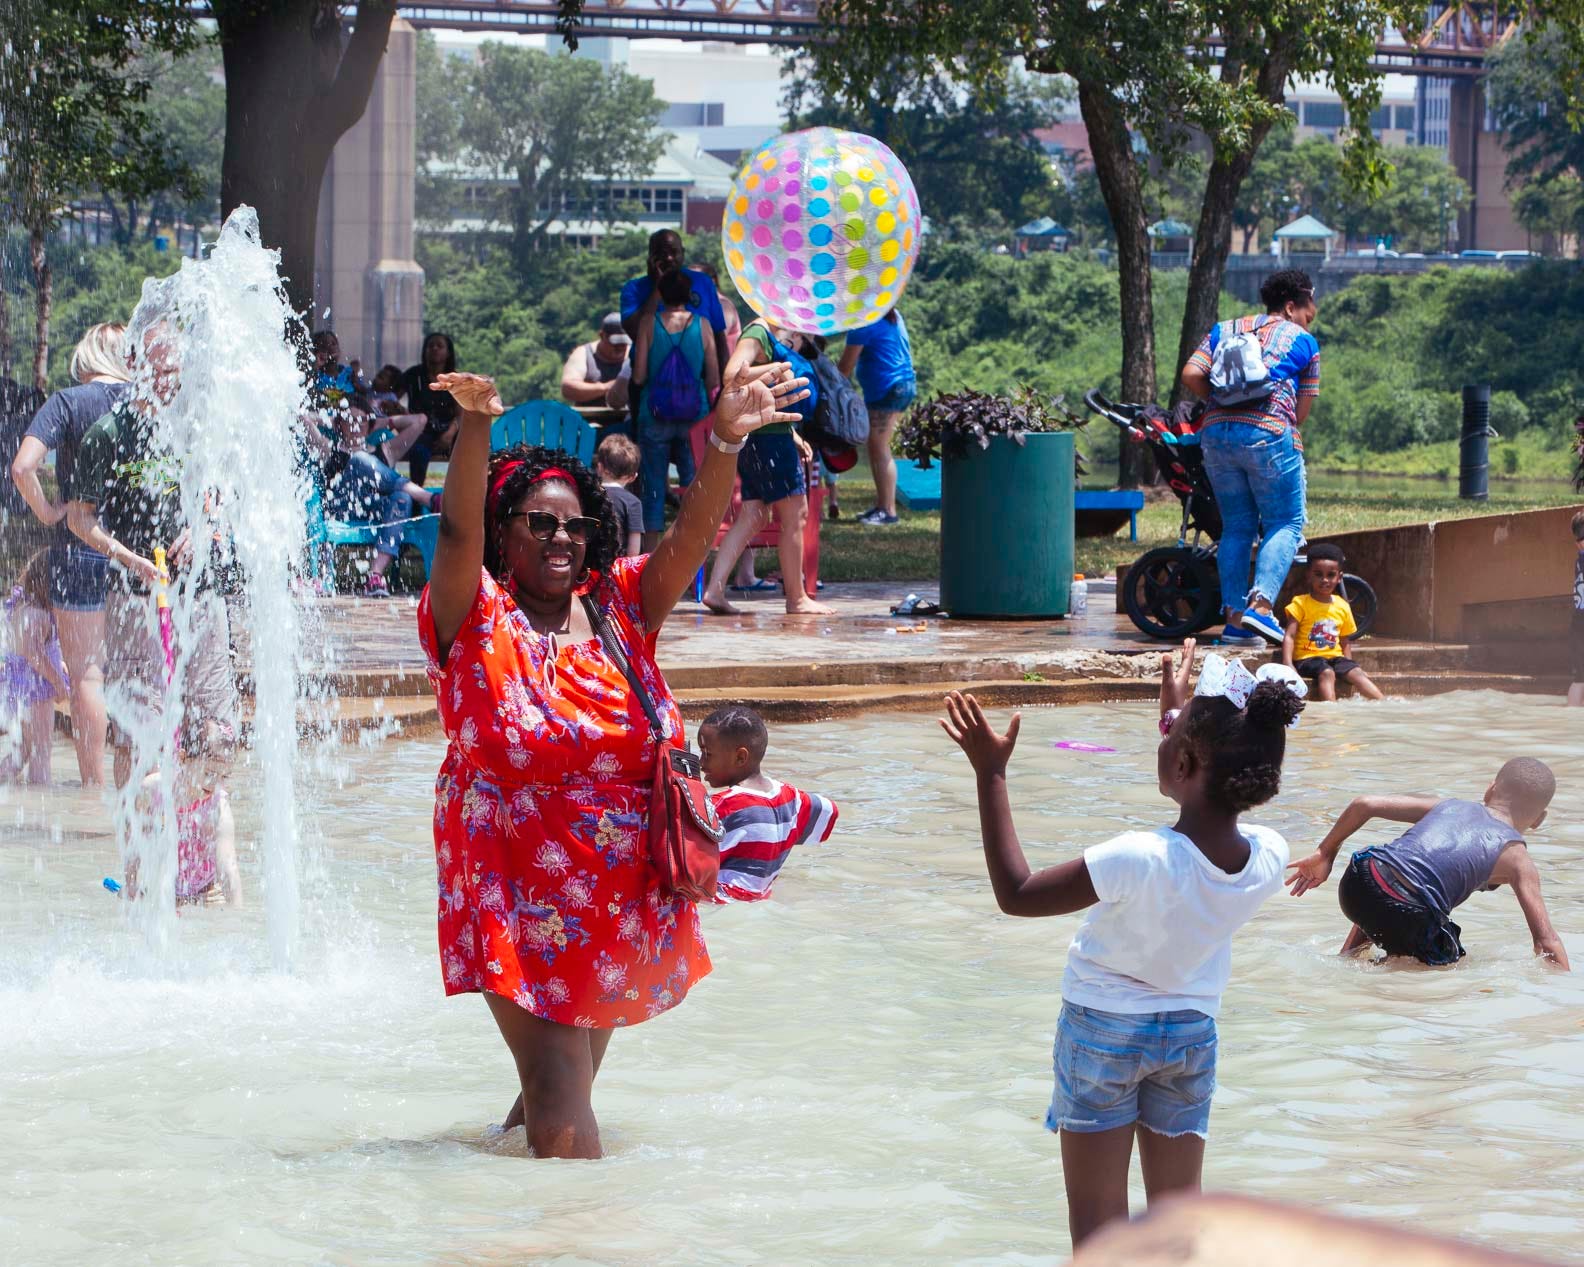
[694,114]
[1324,114]
[1380,119]
[1403,118]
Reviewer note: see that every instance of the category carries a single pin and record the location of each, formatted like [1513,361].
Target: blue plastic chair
[548,424]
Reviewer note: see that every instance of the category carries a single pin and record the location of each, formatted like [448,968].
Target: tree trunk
[44,296]
[292,91]
[1121,185]
[1213,238]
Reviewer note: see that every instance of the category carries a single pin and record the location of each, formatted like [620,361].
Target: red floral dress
[547,896]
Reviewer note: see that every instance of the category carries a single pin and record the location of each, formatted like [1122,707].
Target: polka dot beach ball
[821,230]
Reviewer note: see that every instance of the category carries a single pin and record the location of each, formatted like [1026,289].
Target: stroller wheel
[1360,595]
[1173,592]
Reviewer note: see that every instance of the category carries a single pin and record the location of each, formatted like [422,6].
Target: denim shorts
[77,577]
[897,398]
[1153,1068]
[771,468]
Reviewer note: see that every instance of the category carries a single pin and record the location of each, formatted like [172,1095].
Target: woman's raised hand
[756,396]
[473,393]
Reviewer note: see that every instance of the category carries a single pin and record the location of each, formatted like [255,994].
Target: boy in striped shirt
[764,819]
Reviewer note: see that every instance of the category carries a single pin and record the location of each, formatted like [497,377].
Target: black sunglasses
[542,525]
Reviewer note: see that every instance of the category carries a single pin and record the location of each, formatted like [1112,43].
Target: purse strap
[607,637]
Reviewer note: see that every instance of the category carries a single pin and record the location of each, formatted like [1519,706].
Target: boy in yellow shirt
[1320,629]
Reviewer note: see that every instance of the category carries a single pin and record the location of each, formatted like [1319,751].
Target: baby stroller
[1174,591]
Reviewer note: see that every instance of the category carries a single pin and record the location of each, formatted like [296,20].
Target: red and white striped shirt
[762,828]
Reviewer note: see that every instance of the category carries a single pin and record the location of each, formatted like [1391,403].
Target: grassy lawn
[910,551]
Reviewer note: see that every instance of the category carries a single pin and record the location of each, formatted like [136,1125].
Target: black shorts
[1397,927]
[1576,646]
[1317,664]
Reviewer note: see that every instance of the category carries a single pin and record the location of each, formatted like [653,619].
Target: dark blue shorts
[897,398]
[771,468]
[77,577]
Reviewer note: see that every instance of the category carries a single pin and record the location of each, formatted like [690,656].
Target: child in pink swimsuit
[206,861]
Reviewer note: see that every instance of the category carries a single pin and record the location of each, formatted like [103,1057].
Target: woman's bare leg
[792,514]
[749,520]
[1095,1168]
[599,1040]
[82,650]
[555,1064]
[881,463]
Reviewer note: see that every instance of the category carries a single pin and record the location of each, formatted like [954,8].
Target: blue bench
[922,490]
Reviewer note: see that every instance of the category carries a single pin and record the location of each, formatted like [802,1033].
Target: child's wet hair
[1242,749]
[741,727]
[1578,526]
[1325,552]
[1527,784]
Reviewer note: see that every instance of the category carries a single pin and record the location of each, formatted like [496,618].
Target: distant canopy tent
[1043,234]
[1171,235]
[1305,235]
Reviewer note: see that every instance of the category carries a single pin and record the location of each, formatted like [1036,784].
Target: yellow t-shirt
[1321,626]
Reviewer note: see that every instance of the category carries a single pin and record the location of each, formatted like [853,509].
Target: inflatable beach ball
[821,230]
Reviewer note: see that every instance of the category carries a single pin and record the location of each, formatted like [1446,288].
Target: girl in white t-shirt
[1136,1043]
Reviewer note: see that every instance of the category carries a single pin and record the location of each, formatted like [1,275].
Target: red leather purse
[684,830]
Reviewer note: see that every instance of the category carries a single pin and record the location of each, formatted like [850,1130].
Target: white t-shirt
[1160,939]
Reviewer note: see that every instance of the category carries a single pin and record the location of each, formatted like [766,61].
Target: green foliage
[554,129]
[1422,194]
[972,154]
[1529,89]
[93,285]
[953,424]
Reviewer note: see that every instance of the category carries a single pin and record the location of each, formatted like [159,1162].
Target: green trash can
[1007,528]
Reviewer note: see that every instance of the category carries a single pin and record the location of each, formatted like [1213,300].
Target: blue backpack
[676,394]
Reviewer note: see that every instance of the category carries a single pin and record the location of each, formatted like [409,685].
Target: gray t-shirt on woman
[61,424]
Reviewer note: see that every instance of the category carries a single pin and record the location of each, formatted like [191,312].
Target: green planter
[1007,528]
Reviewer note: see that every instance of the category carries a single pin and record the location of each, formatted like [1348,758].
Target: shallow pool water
[861,1080]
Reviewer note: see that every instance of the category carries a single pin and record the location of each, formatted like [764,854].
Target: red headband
[508,469]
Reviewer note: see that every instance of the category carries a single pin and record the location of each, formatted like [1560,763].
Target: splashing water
[231,426]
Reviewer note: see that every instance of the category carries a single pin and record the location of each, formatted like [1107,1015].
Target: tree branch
[348,95]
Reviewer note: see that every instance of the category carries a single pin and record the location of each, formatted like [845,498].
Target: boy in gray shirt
[1400,896]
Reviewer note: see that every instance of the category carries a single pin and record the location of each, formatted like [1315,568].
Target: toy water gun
[162,602]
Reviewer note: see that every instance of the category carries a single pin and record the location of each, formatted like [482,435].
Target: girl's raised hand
[987,751]
[474,393]
[756,396]
[1176,687]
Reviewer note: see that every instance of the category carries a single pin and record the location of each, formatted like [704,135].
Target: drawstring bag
[676,394]
[684,830]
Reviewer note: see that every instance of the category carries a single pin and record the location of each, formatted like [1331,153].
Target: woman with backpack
[1261,375]
[676,375]
[774,481]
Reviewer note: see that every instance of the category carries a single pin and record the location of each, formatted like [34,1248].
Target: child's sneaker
[1236,637]
[376,587]
[1263,624]
[876,517]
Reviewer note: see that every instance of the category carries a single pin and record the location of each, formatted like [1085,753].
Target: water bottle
[1078,604]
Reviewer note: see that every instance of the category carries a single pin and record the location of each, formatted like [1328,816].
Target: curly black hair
[1242,748]
[1286,286]
[599,553]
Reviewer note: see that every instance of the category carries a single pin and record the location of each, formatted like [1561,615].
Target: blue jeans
[1153,1068]
[659,445]
[368,491]
[1258,478]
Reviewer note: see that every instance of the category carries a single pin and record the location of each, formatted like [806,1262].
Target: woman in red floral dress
[548,903]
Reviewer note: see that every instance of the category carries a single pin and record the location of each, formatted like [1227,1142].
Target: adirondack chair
[548,424]
[768,537]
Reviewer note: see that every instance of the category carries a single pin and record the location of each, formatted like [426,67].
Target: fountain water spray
[230,434]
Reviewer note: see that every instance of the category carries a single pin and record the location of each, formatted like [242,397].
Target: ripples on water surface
[862,1079]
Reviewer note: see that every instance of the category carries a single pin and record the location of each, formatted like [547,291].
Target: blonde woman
[77,571]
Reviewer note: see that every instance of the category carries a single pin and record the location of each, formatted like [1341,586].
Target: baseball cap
[611,329]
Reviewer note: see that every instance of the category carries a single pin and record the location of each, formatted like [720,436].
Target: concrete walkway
[365,655]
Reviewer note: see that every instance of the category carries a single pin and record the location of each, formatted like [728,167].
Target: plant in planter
[957,423]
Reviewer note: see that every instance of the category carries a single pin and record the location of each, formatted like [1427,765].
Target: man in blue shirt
[639,298]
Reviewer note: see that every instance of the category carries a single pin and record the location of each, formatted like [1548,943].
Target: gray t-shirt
[629,511]
[61,424]
[1450,852]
